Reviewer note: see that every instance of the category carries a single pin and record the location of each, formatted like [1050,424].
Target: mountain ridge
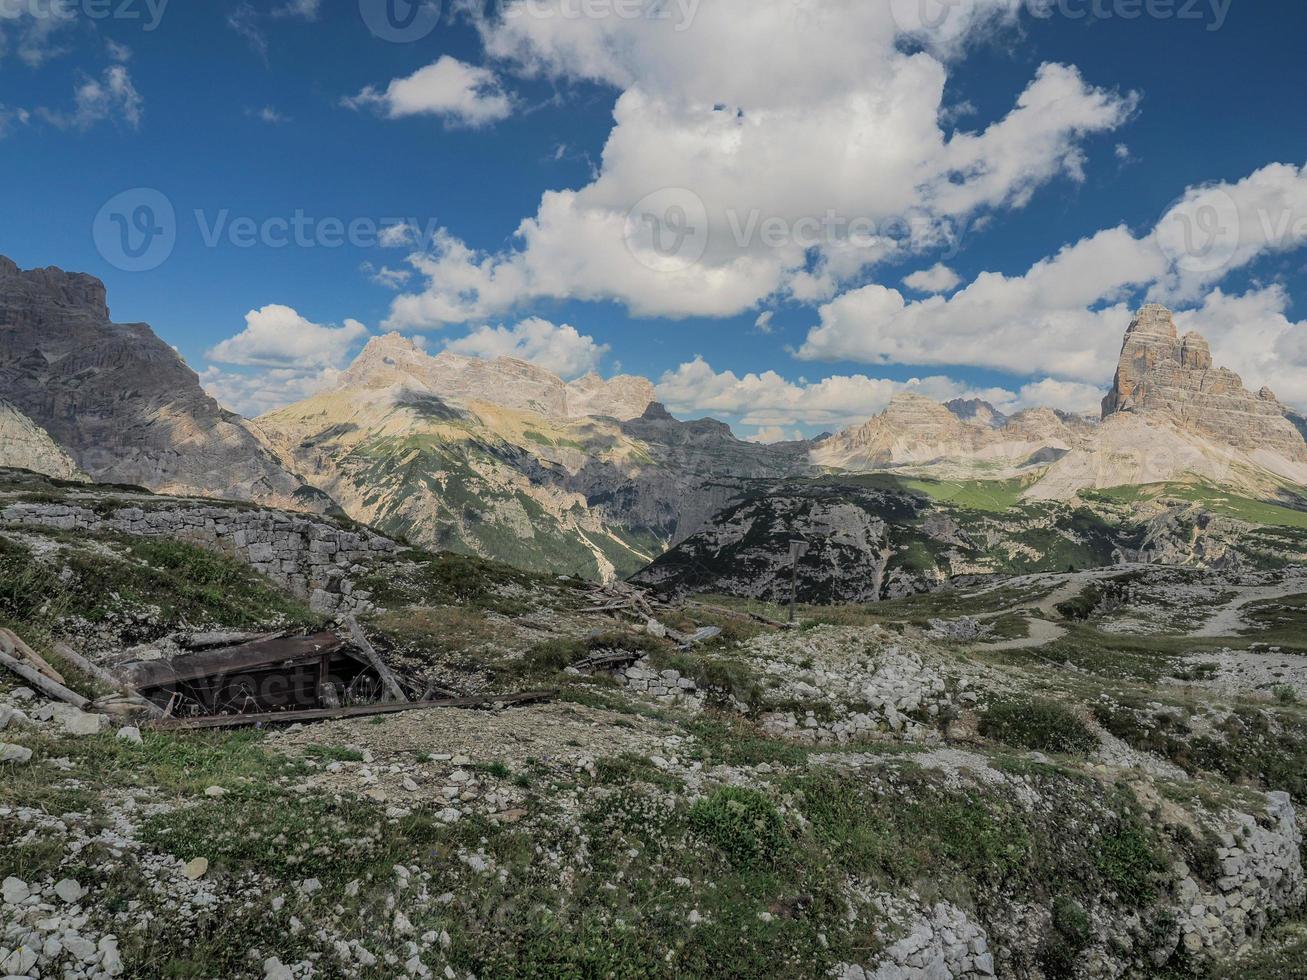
[121,402]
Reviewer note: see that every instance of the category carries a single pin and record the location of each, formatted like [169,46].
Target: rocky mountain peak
[624,397]
[1160,372]
[976,411]
[38,288]
[120,401]
[1154,320]
[396,361]
[386,361]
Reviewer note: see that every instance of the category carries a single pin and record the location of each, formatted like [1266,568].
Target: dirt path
[1041,632]
[1229,621]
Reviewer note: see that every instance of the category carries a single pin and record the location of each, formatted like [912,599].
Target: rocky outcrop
[25,445]
[122,402]
[313,559]
[850,533]
[953,440]
[1163,373]
[1261,874]
[976,411]
[394,361]
[625,397]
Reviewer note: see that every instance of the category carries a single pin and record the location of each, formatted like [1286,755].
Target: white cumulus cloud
[781,170]
[939,278]
[450,89]
[277,336]
[560,348]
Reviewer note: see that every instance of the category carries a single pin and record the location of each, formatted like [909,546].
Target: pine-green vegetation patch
[743,824]
[182,584]
[1215,499]
[1038,724]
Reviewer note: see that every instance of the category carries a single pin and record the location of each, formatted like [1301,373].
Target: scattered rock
[15,891]
[197,869]
[14,754]
[69,891]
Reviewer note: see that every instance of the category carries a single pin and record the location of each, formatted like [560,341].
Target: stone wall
[311,558]
[1262,875]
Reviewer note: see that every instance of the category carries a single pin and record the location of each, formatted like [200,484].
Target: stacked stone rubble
[314,560]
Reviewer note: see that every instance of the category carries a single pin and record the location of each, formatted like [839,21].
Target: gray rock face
[25,445]
[122,402]
[851,533]
[1161,372]
[694,469]
[1298,421]
[976,411]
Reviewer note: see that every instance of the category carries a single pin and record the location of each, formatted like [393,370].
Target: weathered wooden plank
[13,644]
[232,660]
[337,714]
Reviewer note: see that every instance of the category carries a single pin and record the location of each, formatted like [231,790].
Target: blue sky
[1084,129]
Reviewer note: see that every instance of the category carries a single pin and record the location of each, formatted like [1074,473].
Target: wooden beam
[49,688]
[98,673]
[338,714]
[388,679]
[13,644]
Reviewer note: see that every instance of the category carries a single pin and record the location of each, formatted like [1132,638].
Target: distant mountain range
[501,458]
[505,459]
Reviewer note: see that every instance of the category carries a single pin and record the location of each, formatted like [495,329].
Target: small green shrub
[1040,725]
[1072,931]
[1130,865]
[742,823]
[555,655]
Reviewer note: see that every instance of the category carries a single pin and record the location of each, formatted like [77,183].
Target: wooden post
[797,550]
[388,679]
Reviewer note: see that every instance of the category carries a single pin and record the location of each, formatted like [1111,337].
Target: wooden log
[388,679]
[92,670]
[98,673]
[338,714]
[15,642]
[203,641]
[49,688]
[743,614]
